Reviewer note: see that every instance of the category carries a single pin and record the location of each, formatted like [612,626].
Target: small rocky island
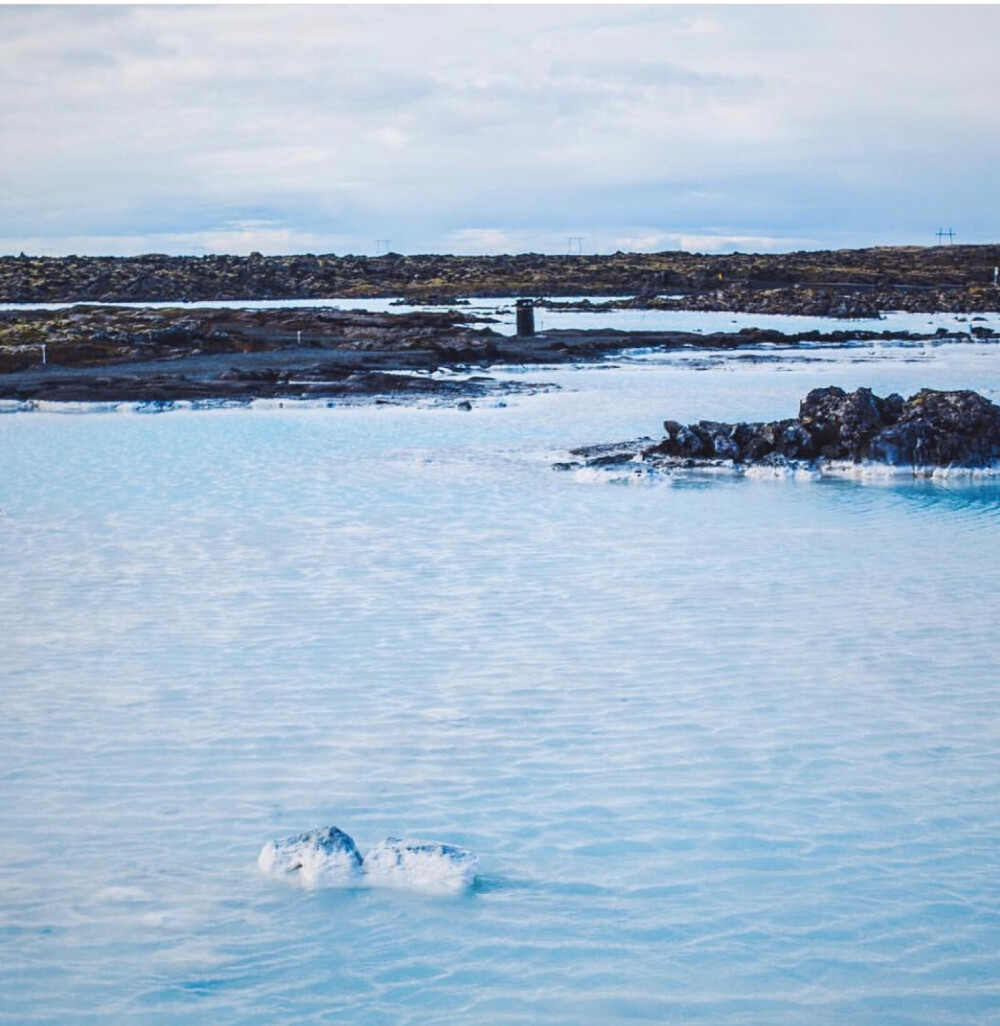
[834,430]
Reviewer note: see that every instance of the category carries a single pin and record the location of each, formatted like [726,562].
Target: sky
[496,129]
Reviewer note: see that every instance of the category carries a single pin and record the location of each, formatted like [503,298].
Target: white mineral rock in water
[324,856]
[421,865]
[328,857]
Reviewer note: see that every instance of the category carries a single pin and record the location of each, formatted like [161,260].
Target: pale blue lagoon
[728,750]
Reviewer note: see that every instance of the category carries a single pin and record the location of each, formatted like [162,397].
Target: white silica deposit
[420,865]
[328,857]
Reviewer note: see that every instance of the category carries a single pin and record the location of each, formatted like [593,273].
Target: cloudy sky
[487,129]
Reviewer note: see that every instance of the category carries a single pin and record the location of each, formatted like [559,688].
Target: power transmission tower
[574,245]
[382,246]
[942,234]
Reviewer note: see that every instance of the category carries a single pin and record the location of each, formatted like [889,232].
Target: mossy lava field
[844,283]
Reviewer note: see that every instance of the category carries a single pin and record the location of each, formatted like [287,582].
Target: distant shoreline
[837,283]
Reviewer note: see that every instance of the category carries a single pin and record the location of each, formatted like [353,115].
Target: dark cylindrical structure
[525,317]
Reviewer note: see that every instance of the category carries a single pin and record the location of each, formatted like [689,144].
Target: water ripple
[728,752]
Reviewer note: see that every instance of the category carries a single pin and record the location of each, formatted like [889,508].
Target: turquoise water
[728,750]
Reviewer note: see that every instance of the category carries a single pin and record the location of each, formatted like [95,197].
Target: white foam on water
[638,473]
[605,475]
[73,408]
[420,865]
[791,472]
[872,471]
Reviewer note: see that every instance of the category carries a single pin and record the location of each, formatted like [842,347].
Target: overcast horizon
[495,129]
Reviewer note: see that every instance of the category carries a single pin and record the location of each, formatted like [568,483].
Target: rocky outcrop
[329,857]
[930,429]
[325,855]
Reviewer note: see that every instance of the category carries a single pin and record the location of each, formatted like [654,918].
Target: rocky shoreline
[832,283]
[106,354]
[932,429]
[85,336]
[242,387]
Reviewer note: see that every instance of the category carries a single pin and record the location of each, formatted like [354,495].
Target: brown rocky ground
[831,282]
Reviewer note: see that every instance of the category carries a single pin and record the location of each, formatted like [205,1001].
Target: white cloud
[238,237]
[343,122]
[723,243]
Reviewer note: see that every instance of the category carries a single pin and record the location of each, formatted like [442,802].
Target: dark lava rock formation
[107,353]
[930,429]
[836,283]
[110,354]
[92,335]
[134,354]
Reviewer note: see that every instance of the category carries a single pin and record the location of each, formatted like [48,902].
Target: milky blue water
[499,314]
[728,750]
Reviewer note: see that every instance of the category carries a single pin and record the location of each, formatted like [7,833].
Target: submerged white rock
[324,856]
[421,865]
[328,857]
